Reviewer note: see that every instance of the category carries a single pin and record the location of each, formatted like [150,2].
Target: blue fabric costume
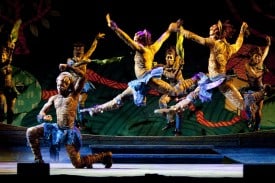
[57,136]
[206,85]
[140,86]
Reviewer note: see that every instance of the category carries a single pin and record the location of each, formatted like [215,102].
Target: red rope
[201,119]
[96,78]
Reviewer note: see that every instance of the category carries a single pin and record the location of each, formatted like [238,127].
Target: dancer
[220,52]
[8,91]
[174,58]
[255,70]
[64,130]
[147,76]
[81,59]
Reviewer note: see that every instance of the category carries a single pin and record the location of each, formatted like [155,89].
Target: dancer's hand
[110,22]
[100,35]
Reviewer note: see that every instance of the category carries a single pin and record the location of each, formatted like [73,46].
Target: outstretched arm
[194,37]
[121,34]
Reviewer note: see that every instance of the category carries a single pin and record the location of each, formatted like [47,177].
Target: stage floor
[133,170]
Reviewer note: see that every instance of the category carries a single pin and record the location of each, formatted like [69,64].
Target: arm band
[39,118]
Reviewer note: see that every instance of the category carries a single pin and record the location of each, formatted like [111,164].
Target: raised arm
[80,81]
[266,50]
[239,42]
[13,39]
[173,27]
[88,54]
[122,35]
[179,46]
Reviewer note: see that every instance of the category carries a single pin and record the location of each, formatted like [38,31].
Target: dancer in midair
[147,76]
[220,52]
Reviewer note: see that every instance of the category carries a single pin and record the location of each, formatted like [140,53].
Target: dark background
[81,20]
[49,29]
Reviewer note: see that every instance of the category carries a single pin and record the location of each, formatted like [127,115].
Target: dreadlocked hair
[227,30]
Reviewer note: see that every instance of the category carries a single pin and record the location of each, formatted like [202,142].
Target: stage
[145,172]
[133,170]
[225,158]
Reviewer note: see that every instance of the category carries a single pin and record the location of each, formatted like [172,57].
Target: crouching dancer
[64,130]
